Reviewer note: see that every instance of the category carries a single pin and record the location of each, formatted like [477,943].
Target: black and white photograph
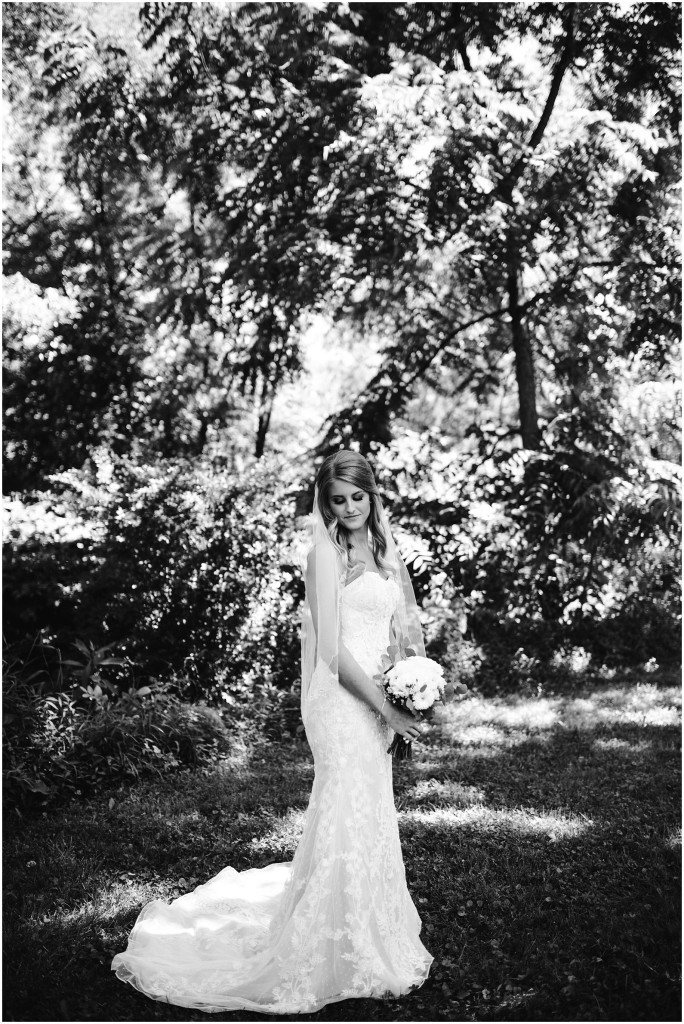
[342,511]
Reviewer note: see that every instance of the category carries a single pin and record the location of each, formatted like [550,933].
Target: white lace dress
[338,922]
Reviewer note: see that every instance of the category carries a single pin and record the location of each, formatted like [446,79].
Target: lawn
[542,846]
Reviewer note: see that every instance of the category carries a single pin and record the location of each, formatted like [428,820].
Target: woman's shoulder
[324,557]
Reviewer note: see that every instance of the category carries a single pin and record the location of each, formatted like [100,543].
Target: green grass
[541,843]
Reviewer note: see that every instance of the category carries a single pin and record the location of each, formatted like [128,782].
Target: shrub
[565,547]
[61,743]
[187,569]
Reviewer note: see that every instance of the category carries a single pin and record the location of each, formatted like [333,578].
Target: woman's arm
[354,679]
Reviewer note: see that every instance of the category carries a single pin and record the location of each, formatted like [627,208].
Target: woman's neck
[361,545]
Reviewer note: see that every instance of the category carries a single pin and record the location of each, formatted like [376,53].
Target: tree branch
[399,382]
[562,65]
[463,54]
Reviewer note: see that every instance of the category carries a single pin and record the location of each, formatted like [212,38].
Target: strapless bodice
[366,608]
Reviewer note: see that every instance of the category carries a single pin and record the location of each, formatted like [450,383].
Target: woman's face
[350,505]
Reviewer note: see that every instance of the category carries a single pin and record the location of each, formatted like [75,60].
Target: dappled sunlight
[237,761]
[426,766]
[483,734]
[185,820]
[552,824]
[513,712]
[485,727]
[44,521]
[282,837]
[643,705]
[499,722]
[431,791]
[464,751]
[673,841]
[625,746]
[496,801]
[113,900]
[482,737]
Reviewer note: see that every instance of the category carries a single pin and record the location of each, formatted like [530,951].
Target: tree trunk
[264,420]
[524,364]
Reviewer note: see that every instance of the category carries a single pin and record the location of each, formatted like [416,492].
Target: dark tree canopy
[240,236]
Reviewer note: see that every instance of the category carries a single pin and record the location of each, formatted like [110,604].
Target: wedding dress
[338,922]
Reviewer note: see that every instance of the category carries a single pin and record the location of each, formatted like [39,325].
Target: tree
[482,195]
[463,179]
[523,192]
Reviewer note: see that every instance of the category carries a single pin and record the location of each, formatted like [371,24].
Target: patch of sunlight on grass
[424,764]
[432,791]
[624,745]
[486,819]
[662,716]
[283,837]
[476,734]
[112,901]
[513,712]
[505,721]
[238,760]
[464,752]
[482,737]
[623,707]
[674,839]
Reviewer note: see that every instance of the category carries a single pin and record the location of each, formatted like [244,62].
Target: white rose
[419,669]
[403,670]
[398,687]
[428,666]
[423,699]
[419,678]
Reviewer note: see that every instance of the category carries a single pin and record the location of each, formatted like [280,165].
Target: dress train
[338,922]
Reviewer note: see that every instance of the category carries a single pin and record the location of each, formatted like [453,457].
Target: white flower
[399,687]
[419,678]
[424,698]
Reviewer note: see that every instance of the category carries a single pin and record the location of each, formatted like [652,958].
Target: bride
[338,922]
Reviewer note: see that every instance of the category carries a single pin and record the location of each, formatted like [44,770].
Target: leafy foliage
[190,571]
[206,200]
[238,169]
[556,545]
[65,736]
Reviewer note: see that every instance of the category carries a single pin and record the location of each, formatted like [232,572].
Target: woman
[338,922]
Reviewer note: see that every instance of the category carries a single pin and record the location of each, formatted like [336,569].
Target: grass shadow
[540,840]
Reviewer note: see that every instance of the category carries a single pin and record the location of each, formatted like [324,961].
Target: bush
[186,568]
[196,564]
[565,548]
[61,743]
[188,573]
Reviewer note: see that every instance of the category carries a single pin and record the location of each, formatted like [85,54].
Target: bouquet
[415,683]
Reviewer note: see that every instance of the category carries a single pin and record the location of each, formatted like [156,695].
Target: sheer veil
[290,938]
[326,573]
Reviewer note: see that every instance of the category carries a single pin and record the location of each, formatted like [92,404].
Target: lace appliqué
[339,921]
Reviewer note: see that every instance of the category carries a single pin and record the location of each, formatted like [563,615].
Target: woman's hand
[403,722]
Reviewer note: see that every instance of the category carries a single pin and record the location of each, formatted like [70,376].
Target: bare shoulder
[323,560]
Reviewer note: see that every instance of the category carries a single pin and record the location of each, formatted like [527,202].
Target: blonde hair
[353,469]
